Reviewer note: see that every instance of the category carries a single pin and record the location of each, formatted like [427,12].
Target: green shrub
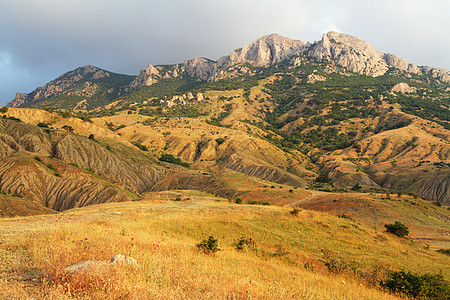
[140,146]
[242,242]
[208,246]
[254,202]
[426,286]
[173,160]
[238,201]
[344,216]
[333,264]
[220,141]
[444,251]
[37,158]
[3,109]
[323,177]
[295,211]
[399,229]
[68,128]
[357,188]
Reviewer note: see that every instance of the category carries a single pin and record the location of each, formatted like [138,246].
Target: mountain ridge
[344,50]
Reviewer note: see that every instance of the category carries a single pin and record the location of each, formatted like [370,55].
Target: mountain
[352,53]
[336,115]
[90,87]
[264,51]
[83,88]
[57,169]
[360,57]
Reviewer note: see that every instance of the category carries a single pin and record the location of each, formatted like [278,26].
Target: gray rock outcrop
[93,266]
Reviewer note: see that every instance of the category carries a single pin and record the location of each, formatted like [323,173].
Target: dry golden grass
[286,262]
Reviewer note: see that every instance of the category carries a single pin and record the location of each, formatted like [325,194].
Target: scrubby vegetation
[208,246]
[420,286]
[173,160]
[398,228]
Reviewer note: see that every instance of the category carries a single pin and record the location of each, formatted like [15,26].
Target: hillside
[276,109]
[58,169]
[308,255]
[83,88]
[309,149]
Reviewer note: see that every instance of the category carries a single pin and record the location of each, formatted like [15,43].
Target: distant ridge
[350,52]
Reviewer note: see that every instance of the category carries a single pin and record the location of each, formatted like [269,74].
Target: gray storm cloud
[41,39]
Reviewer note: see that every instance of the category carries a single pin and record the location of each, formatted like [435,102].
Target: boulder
[92,266]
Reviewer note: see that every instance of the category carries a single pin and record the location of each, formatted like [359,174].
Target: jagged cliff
[267,50]
[344,50]
[360,57]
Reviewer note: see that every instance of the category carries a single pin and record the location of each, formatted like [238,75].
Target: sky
[42,39]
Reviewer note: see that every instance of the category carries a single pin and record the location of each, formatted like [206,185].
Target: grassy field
[288,260]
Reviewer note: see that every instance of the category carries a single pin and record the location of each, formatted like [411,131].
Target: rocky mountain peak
[350,52]
[359,56]
[269,49]
[58,85]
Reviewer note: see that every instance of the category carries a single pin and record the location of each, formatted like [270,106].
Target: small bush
[37,158]
[399,229]
[173,160]
[238,201]
[295,211]
[334,265]
[140,146]
[178,199]
[67,128]
[357,188]
[426,286]
[444,251]
[242,242]
[437,203]
[208,246]
[3,109]
[344,216]
[253,202]
[220,141]
[323,177]
[280,252]
[91,137]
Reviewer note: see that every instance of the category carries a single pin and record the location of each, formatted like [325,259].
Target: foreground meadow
[310,255]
